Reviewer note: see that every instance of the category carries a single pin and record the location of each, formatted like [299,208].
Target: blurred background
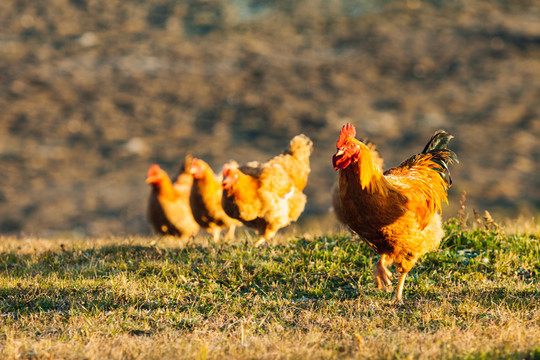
[92,92]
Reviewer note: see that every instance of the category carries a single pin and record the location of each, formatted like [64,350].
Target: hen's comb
[347,131]
[226,169]
[154,170]
[228,166]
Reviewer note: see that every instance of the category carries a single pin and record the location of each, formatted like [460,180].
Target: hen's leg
[381,274]
[216,232]
[230,232]
[263,239]
[260,242]
[398,298]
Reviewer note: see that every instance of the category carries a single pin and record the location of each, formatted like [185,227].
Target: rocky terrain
[93,92]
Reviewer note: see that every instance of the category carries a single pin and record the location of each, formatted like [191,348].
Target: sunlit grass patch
[477,296]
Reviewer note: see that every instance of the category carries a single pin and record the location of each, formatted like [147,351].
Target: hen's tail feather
[186,166]
[300,143]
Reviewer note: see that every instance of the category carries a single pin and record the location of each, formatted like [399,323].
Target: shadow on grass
[96,278]
[533,354]
[302,271]
[487,298]
[101,261]
[506,296]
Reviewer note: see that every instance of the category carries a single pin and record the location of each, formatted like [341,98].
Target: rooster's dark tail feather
[437,147]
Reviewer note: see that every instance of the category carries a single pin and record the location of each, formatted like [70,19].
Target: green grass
[477,297]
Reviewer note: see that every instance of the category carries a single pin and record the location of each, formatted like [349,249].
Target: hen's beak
[151,179]
[153,174]
[226,184]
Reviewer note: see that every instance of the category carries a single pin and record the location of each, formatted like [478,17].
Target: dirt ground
[93,92]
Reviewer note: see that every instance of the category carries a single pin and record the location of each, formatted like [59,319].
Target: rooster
[169,211]
[395,212]
[205,201]
[268,196]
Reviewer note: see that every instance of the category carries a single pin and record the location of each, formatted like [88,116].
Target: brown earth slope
[93,92]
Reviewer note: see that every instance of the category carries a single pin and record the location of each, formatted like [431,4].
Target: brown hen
[168,210]
[268,196]
[205,201]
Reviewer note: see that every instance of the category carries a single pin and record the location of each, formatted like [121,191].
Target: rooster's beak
[340,152]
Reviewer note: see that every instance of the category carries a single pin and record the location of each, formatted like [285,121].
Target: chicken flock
[396,212]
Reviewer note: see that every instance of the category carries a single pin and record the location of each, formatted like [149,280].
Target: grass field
[477,297]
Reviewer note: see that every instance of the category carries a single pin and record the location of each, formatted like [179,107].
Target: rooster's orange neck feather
[370,176]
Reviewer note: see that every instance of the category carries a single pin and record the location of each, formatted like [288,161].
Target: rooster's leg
[398,298]
[381,274]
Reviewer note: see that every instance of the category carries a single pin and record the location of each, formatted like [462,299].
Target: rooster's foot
[398,297]
[383,276]
[397,302]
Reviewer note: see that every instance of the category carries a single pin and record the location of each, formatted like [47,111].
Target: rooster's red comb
[347,131]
